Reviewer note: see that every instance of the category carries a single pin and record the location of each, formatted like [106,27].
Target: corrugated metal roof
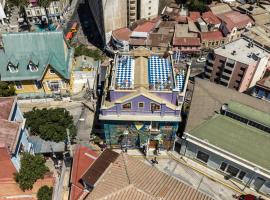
[92,175]
[128,178]
[41,48]
[42,146]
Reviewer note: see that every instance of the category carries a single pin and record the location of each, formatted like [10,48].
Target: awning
[20,20]
[69,35]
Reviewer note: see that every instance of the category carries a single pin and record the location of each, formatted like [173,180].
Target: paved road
[195,179]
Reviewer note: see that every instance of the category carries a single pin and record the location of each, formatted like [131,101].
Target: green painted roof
[237,138]
[42,48]
[249,113]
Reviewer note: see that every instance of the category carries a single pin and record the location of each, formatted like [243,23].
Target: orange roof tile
[9,134]
[186,41]
[211,35]
[6,105]
[210,18]
[83,159]
[130,178]
[235,19]
[147,26]
[122,34]
[7,169]
[194,16]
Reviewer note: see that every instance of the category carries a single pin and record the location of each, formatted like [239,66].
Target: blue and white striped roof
[160,72]
[125,72]
[180,80]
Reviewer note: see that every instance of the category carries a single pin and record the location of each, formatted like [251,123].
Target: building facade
[39,64]
[262,89]
[224,143]
[238,65]
[56,10]
[142,101]
[13,133]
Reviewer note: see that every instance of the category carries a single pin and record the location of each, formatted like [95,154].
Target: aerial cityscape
[134,99]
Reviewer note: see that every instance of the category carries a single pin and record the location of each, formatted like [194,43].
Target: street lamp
[256,171]
[125,133]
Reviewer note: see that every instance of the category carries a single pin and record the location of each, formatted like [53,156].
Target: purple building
[142,100]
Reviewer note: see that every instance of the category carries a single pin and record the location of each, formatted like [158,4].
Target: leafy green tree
[6,89]
[32,168]
[45,193]
[83,50]
[197,5]
[50,124]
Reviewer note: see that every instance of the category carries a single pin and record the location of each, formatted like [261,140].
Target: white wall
[115,14]
[149,8]
[259,71]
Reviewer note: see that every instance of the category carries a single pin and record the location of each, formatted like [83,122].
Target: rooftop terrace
[142,68]
[242,51]
[237,138]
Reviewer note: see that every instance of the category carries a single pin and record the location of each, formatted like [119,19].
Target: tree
[6,89]
[32,168]
[19,3]
[50,124]
[45,193]
[83,50]
[197,5]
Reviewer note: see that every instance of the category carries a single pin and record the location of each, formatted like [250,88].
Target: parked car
[201,60]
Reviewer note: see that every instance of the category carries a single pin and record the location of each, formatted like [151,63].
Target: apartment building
[239,64]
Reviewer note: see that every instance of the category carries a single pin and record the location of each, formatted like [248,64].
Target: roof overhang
[140,118]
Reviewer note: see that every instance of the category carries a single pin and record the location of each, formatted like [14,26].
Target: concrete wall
[148,9]
[115,14]
[190,150]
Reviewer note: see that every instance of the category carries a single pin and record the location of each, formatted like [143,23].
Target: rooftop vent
[223,47]
[233,52]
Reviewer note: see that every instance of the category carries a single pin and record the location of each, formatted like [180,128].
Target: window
[155,107]
[155,126]
[32,67]
[241,175]
[149,8]
[52,71]
[38,12]
[54,86]
[232,170]
[18,85]
[12,68]
[126,106]
[223,166]
[56,10]
[202,156]
[149,13]
[141,105]
[38,84]
[28,13]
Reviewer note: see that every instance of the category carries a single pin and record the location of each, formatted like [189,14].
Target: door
[153,144]
[177,147]
[258,183]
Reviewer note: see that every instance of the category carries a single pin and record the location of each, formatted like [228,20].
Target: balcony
[208,67]
[224,80]
[230,68]
[226,74]
[208,74]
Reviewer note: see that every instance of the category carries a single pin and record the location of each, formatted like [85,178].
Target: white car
[201,60]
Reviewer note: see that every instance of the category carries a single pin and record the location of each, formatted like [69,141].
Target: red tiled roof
[6,104]
[210,18]
[147,26]
[122,34]
[194,16]
[212,35]
[83,159]
[234,19]
[186,41]
[9,134]
[7,169]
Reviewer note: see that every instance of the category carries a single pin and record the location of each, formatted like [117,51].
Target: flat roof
[243,53]
[237,138]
